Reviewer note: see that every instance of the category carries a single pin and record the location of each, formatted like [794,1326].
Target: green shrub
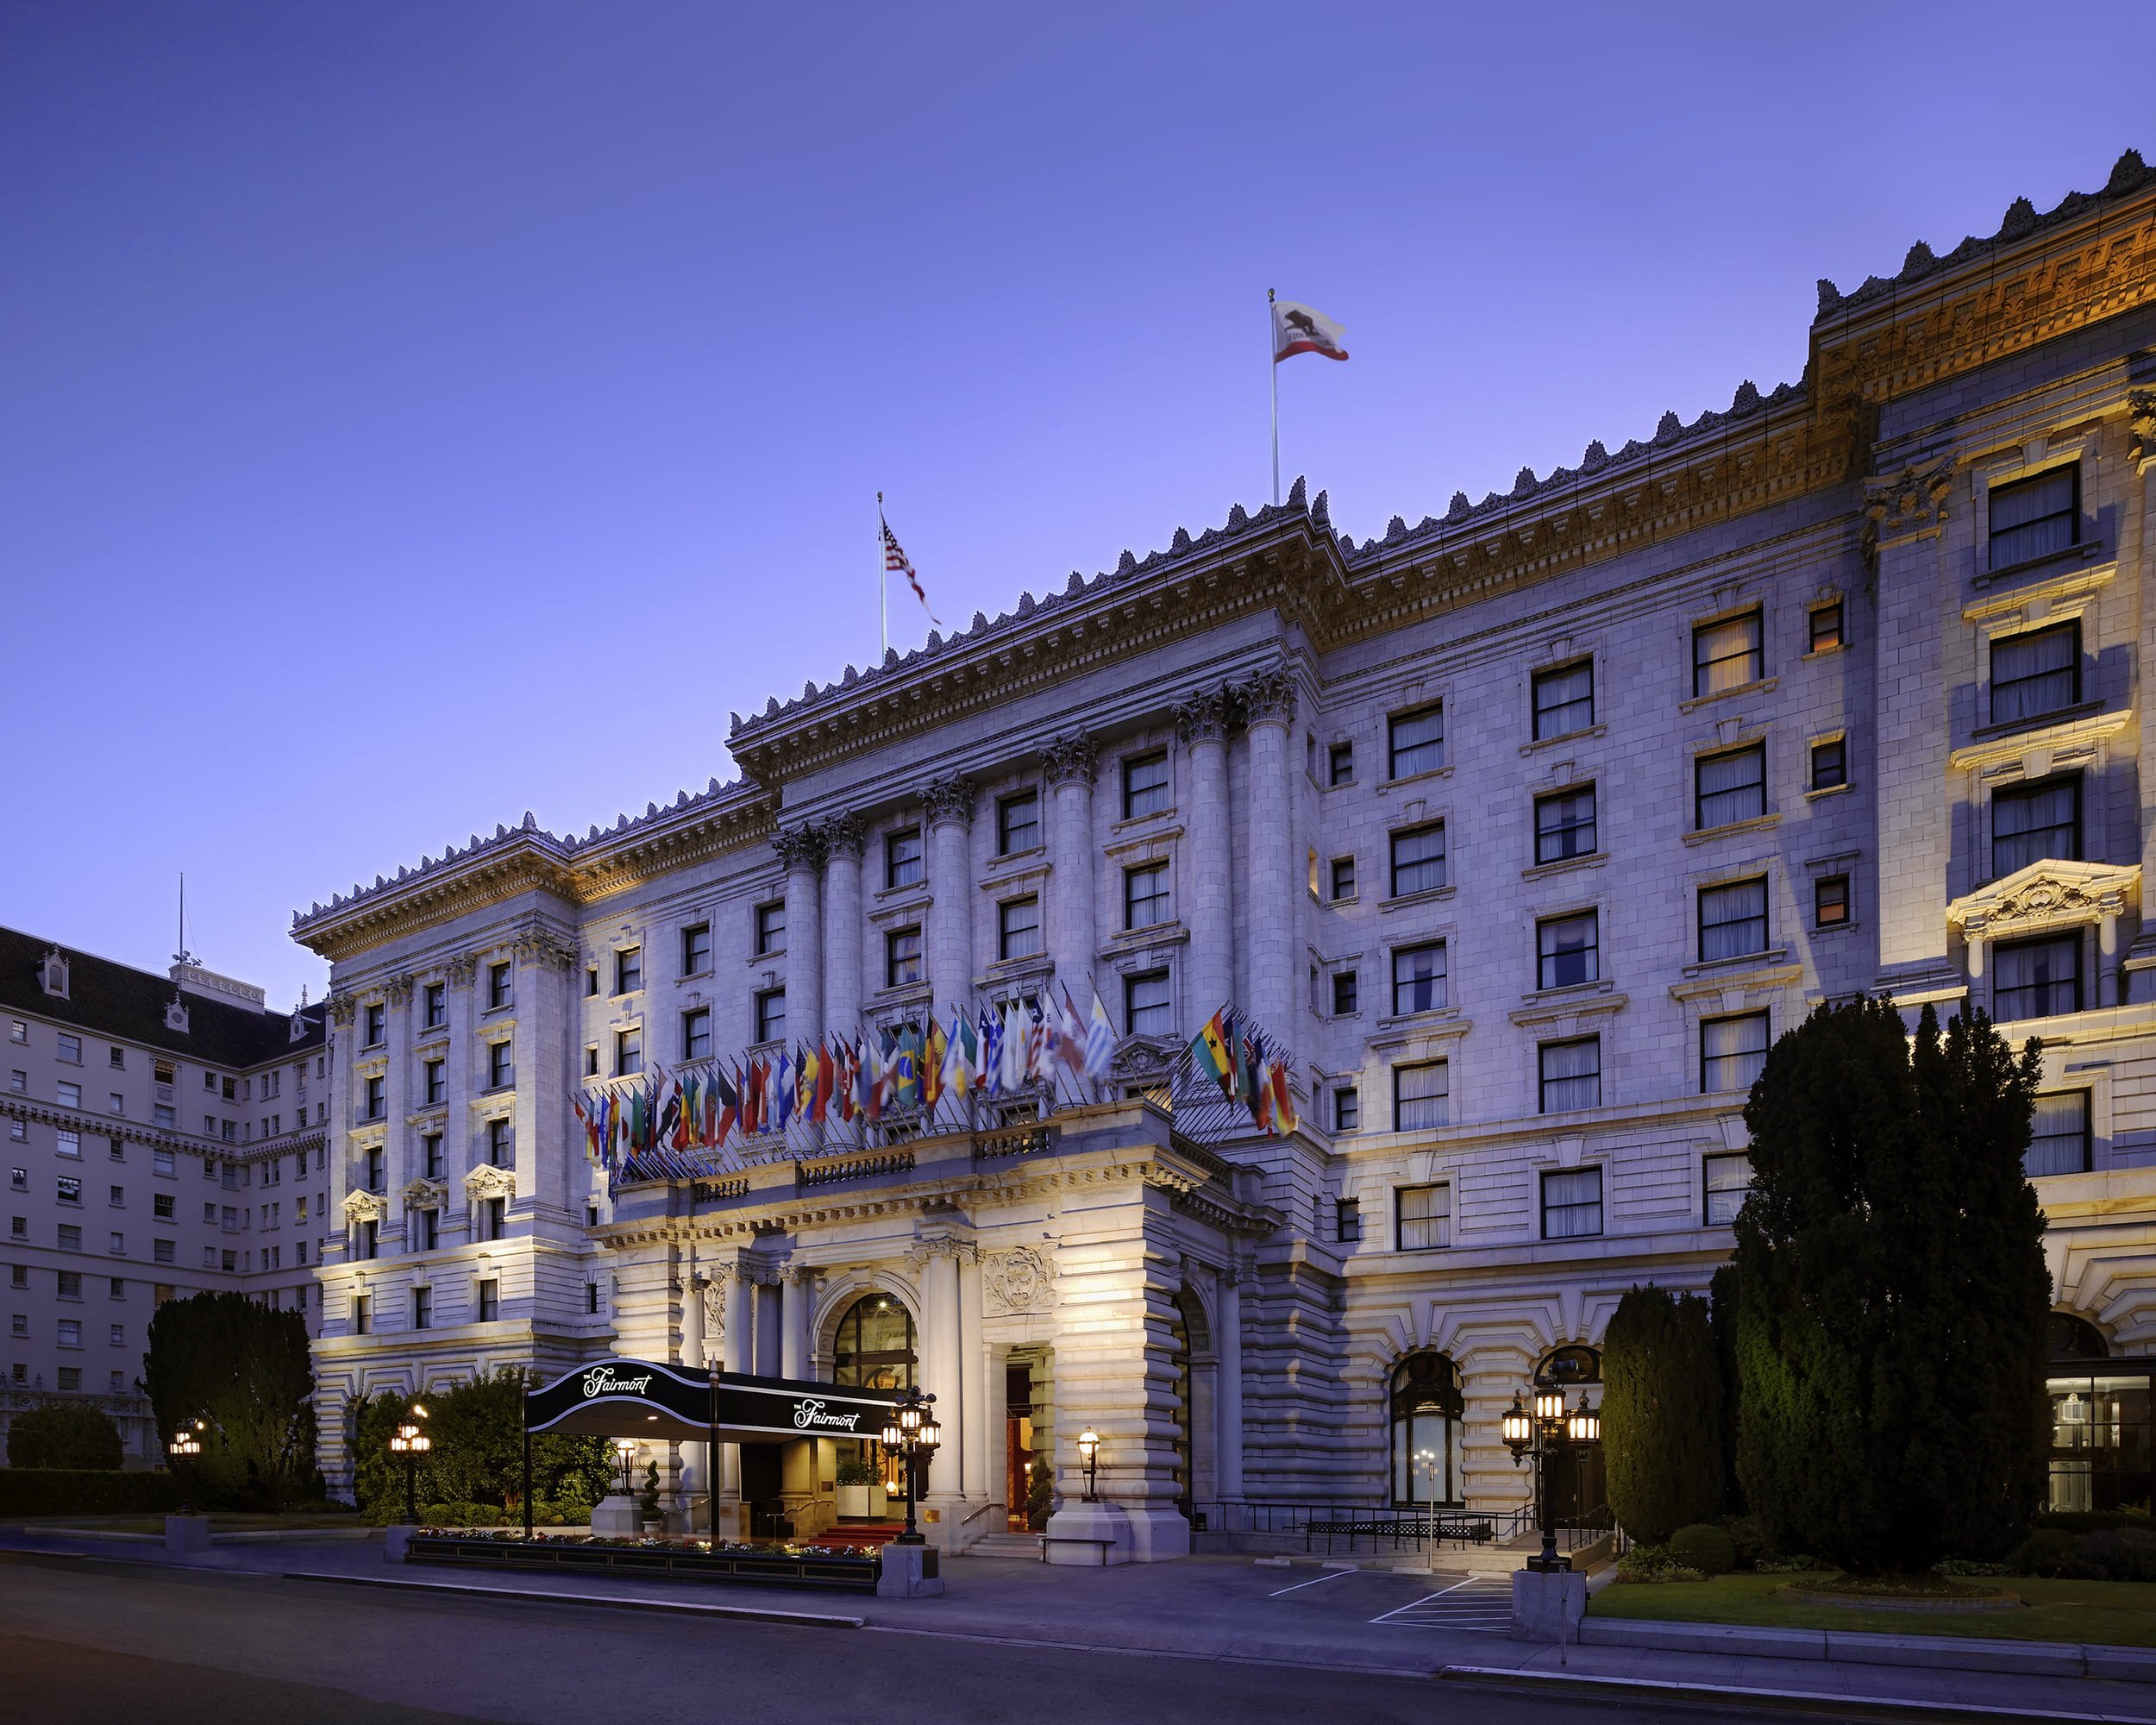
[2117,1554]
[856,1470]
[63,1435]
[2047,1552]
[1661,1412]
[85,1491]
[2094,1521]
[1705,1547]
[1655,1563]
[1955,1567]
[1796,1563]
[1750,1538]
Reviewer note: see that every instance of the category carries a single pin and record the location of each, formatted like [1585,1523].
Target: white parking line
[1426,1599]
[1334,1576]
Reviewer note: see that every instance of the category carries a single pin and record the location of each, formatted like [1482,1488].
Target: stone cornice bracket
[1204,717]
[537,945]
[343,1008]
[397,989]
[1269,698]
[1906,506]
[2140,407]
[800,847]
[364,1207]
[487,1180]
[461,970]
[843,835]
[1075,759]
[951,799]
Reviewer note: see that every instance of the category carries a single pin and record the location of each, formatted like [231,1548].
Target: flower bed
[801,1566]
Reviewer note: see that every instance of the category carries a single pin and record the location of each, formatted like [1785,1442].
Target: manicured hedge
[84,1491]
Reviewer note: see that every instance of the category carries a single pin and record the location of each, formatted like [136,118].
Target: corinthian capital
[342,1009]
[1269,698]
[842,836]
[398,988]
[1070,760]
[1204,717]
[949,799]
[799,847]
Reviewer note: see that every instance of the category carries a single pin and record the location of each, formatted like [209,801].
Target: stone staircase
[1005,1545]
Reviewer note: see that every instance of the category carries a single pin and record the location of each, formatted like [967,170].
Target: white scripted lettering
[810,1412]
[601,1381]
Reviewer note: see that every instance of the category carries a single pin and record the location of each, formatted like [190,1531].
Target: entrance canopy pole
[710,1459]
[524,1416]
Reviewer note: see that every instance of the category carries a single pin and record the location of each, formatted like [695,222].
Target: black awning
[640,1398]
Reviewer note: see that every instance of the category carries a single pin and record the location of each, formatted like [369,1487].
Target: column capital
[949,799]
[1269,698]
[2140,409]
[460,969]
[342,1009]
[1204,717]
[800,847]
[397,989]
[843,835]
[1070,760]
[538,946]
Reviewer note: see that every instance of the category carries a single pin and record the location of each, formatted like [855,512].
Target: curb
[1792,1700]
[1850,1647]
[755,1614]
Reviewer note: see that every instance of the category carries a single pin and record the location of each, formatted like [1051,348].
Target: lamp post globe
[912,1432]
[1089,1453]
[625,1451]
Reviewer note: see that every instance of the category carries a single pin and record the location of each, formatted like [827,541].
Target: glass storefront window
[1426,1413]
[874,1347]
[2100,1441]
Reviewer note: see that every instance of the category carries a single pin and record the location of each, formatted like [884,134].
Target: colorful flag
[669,1124]
[991,1053]
[1304,329]
[1100,1042]
[1285,1118]
[788,1096]
[1070,1037]
[1209,1050]
[896,562]
[1011,1065]
[723,1092]
[957,1074]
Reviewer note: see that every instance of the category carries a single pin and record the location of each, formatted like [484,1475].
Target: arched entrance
[1578,1486]
[872,1348]
[1425,1410]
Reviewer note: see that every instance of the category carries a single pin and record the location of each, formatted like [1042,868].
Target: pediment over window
[486,1181]
[364,1207]
[425,1194]
[2047,893]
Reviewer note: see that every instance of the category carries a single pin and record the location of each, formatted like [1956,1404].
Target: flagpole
[1273,358]
[883,572]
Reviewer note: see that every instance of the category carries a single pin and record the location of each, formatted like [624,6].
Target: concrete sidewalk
[1215,1607]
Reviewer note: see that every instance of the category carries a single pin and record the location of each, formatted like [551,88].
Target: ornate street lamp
[1544,1434]
[1089,1454]
[410,1443]
[912,1432]
[184,1446]
[626,1449]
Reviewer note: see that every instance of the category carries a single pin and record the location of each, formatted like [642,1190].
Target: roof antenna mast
[183,956]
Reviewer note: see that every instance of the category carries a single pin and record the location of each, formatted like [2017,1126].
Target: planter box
[854,1573]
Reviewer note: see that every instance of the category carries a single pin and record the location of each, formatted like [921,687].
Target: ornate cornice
[1075,759]
[951,799]
[800,849]
[1204,717]
[397,989]
[460,969]
[535,943]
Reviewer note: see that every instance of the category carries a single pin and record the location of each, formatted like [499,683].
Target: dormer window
[52,975]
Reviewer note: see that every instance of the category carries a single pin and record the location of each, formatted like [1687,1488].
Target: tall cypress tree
[245,1371]
[1661,1413]
[1891,1292]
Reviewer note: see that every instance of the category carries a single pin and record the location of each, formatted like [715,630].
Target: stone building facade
[1524,829]
[167,1136]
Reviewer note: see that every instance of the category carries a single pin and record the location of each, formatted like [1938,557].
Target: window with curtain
[1422,1217]
[1564,825]
[1422,1094]
[1564,699]
[2036,979]
[1732,1051]
[1726,1179]
[1726,654]
[1733,919]
[1421,979]
[2035,516]
[1419,859]
[1729,787]
[1426,1408]
[2035,673]
[1572,1203]
[2031,822]
[1568,951]
[1570,1073]
[1416,741]
[2059,1141]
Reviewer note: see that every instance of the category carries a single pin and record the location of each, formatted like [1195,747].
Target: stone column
[1204,883]
[544,1068]
[1227,1412]
[842,925]
[343,1011]
[457,1159]
[793,1330]
[801,849]
[402,1143]
[949,932]
[738,1294]
[942,1371]
[2136,542]
[1073,933]
[972,1383]
[1273,910]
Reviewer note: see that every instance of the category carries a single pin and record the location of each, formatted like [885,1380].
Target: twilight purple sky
[418,414]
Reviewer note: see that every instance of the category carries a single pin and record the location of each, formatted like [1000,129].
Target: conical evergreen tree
[1661,1413]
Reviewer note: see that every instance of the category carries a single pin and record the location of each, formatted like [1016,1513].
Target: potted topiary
[855,1480]
[647,1502]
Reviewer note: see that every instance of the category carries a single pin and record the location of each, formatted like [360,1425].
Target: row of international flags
[663,1121]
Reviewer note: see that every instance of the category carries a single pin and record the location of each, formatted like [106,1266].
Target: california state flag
[1304,330]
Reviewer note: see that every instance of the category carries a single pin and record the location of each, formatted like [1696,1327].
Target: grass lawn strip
[2118,1614]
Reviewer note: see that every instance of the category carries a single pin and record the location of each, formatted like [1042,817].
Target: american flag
[895,562]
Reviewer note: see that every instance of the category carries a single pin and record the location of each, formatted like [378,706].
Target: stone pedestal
[186,1533]
[617,1514]
[1548,1606]
[1085,1535]
[397,1541]
[910,1573]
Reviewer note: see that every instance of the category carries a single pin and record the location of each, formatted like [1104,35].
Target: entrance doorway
[1578,1487]
[1185,1477]
[1019,1456]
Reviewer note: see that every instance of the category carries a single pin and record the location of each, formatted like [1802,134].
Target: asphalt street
[136,1645]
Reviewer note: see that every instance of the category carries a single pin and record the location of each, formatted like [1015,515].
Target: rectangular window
[71,1333]
[501,1143]
[2036,979]
[1147,1010]
[161,1162]
[1564,699]
[2032,823]
[1830,902]
[1418,857]
[1415,740]
[1017,822]
[66,1141]
[902,957]
[2035,516]
[1830,764]
[628,969]
[1422,1218]
[423,1308]
[1732,1051]
[1343,877]
[771,927]
[161,1251]
[1145,900]
[1018,927]
[591,1297]
[490,1300]
[430,1163]
[696,1034]
[591,981]
[1564,825]
[1825,627]
[429,1229]
[70,1049]
[70,1237]
[770,1014]
[1347,1220]
[1340,764]
[1144,785]
[376,1027]
[1346,992]
[115,1103]
[2060,1141]
[902,858]
[70,1189]
[2035,673]
[70,1285]
[1572,1203]
[1570,1073]
[377,1097]
[70,1094]
[500,987]
[1729,787]
[117,1199]
[437,1073]
[497,1219]
[1422,1095]
[435,1005]
[1725,1179]
[1568,951]
[501,1064]
[162,1206]
[1726,654]
[1421,979]
[696,949]
[1347,1109]
[359,1315]
[629,1051]
[1733,919]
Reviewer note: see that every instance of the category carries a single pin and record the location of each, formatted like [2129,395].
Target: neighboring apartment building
[1526,829]
[165,1136]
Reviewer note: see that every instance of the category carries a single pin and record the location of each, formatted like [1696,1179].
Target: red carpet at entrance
[862,1535]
